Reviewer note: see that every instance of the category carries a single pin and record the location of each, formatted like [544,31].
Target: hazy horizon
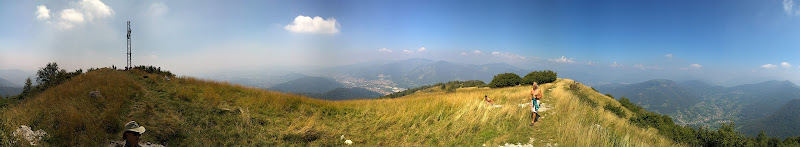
[618,41]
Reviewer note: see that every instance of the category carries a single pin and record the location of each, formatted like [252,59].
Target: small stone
[95,94]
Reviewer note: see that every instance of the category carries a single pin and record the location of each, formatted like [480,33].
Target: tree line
[511,79]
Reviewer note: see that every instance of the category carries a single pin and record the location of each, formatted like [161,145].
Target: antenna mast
[129,47]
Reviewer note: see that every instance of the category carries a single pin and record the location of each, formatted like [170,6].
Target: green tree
[49,74]
[504,80]
[540,77]
[28,86]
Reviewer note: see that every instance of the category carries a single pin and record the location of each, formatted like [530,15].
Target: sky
[723,42]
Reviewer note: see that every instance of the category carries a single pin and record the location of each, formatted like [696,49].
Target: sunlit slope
[192,112]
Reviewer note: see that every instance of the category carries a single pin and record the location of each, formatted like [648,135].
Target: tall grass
[186,111]
[577,124]
[67,111]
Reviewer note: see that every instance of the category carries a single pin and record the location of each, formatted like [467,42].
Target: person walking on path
[536,94]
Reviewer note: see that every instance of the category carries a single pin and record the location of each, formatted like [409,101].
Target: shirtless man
[536,94]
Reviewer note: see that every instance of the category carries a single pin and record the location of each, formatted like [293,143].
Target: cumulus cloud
[464,54]
[422,49]
[95,9]
[668,55]
[384,50]
[408,51]
[42,13]
[768,66]
[79,13]
[305,24]
[70,18]
[695,66]
[563,60]
[477,52]
[786,65]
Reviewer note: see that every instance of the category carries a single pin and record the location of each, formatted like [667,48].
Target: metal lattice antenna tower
[129,47]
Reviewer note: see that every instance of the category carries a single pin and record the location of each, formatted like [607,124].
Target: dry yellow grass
[191,112]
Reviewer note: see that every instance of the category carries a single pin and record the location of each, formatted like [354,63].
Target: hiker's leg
[533,118]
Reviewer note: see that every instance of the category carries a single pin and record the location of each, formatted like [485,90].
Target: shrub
[154,70]
[540,77]
[505,80]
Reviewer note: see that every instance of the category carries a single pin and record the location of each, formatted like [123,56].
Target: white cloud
[768,66]
[695,66]
[786,65]
[668,55]
[305,24]
[422,49]
[464,54]
[384,50]
[72,16]
[80,13]
[787,6]
[589,63]
[477,52]
[95,9]
[42,13]
[408,51]
[69,18]
[507,55]
[562,60]
[158,9]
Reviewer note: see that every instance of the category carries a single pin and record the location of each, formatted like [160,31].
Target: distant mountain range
[308,85]
[8,88]
[417,72]
[16,76]
[662,96]
[697,103]
[783,123]
[324,88]
[262,80]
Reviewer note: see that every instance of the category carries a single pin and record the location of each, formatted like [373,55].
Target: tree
[504,80]
[49,74]
[28,85]
[540,77]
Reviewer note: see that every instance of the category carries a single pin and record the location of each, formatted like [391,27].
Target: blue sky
[675,39]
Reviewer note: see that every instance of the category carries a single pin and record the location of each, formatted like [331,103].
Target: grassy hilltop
[185,111]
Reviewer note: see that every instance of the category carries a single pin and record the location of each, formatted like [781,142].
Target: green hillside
[186,111]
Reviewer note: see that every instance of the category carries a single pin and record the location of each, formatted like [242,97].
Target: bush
[154,70]
[540,77]
[505,80]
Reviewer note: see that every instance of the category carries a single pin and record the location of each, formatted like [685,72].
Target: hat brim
[139,130]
